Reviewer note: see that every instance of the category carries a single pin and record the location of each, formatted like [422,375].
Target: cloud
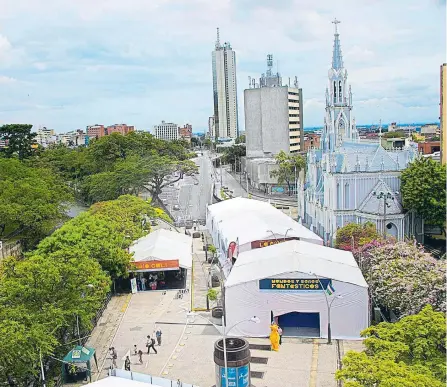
[137,61]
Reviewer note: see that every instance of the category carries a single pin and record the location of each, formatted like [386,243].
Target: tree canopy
[68,275]
[20,140]
[32,201]
[289,167]
[353,235]
[410,352]
[233,154]
[424,190]
[402,277]
[116,165]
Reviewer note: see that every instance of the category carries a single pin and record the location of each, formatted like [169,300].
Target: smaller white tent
[163,245]
[297,262]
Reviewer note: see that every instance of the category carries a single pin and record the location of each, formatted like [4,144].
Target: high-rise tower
[225,90]
[339,125]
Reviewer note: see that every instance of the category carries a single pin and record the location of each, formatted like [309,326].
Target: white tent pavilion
[255,288]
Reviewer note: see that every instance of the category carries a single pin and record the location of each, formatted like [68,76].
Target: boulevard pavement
[186,352]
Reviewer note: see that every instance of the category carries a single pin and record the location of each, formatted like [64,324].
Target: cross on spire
[335,22]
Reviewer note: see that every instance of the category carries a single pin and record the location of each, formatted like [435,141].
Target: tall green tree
[40,299]
[20,140]
[424,190]
[410,352]
[233,155]
[289,167]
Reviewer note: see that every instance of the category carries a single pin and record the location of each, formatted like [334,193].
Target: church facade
[348,180]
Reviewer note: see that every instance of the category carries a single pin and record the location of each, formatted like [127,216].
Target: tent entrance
[297,324]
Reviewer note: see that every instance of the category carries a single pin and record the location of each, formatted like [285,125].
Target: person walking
[140,356]
[127,364]
[158,336]
[114,356]
[150,344]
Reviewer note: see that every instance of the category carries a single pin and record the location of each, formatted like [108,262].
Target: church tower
[339,125]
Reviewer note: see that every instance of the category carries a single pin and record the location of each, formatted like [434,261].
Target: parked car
[176,207]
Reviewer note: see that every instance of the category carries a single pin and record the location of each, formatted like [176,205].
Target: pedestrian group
[150,344]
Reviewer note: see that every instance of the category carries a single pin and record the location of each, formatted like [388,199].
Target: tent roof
[295,256]
[84,357]
[113,381]
[163,245]
[250,220]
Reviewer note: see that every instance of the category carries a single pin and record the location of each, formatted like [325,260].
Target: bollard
[238,362]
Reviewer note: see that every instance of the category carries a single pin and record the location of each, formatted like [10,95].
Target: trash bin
[238,362]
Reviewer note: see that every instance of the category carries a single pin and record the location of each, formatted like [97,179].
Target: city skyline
[69,68]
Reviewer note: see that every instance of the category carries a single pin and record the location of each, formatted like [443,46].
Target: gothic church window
[335,91]
[339,90]
[346,195]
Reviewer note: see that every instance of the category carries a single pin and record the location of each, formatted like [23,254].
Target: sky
[66,64]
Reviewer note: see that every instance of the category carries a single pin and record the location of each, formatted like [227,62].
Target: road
[192,193]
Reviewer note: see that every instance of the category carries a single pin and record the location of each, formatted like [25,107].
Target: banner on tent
[269,242]
[172,264]
[294,284]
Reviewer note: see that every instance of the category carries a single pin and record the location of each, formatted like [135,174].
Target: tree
[423,190]
[233,155]
[410,352]
[353,235]
[19,139]
[40,297]
[160,173]
[207,143]
[240,139]
[289,167]
[32,201]
[402,277]
[94,238]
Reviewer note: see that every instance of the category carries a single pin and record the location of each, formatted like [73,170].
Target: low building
[119,128]
[185,132]
[74,138]
[430,130]
[429,147]
[166,131]
[300,286]
[95,131]
[46,137]
[311,140]
[259,173]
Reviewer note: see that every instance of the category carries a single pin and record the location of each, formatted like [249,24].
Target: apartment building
[166,131]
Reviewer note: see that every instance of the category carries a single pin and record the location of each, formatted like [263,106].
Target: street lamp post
[274,236]
[285,235]
[385,196]
[329,306]
[225,331]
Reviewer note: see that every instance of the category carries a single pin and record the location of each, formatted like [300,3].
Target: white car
[176,207]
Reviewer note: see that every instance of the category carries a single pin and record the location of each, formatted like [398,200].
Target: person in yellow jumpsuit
[274,337]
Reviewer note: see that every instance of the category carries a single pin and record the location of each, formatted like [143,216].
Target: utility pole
[220,163]
[385,196]
[42,370]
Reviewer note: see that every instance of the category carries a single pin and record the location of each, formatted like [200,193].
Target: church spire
[337,59]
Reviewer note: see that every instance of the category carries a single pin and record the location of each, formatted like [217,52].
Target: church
[350,181]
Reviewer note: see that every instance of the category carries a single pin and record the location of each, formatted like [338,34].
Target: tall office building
[225,90]
[273,115]
[443,113]
[166,131]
